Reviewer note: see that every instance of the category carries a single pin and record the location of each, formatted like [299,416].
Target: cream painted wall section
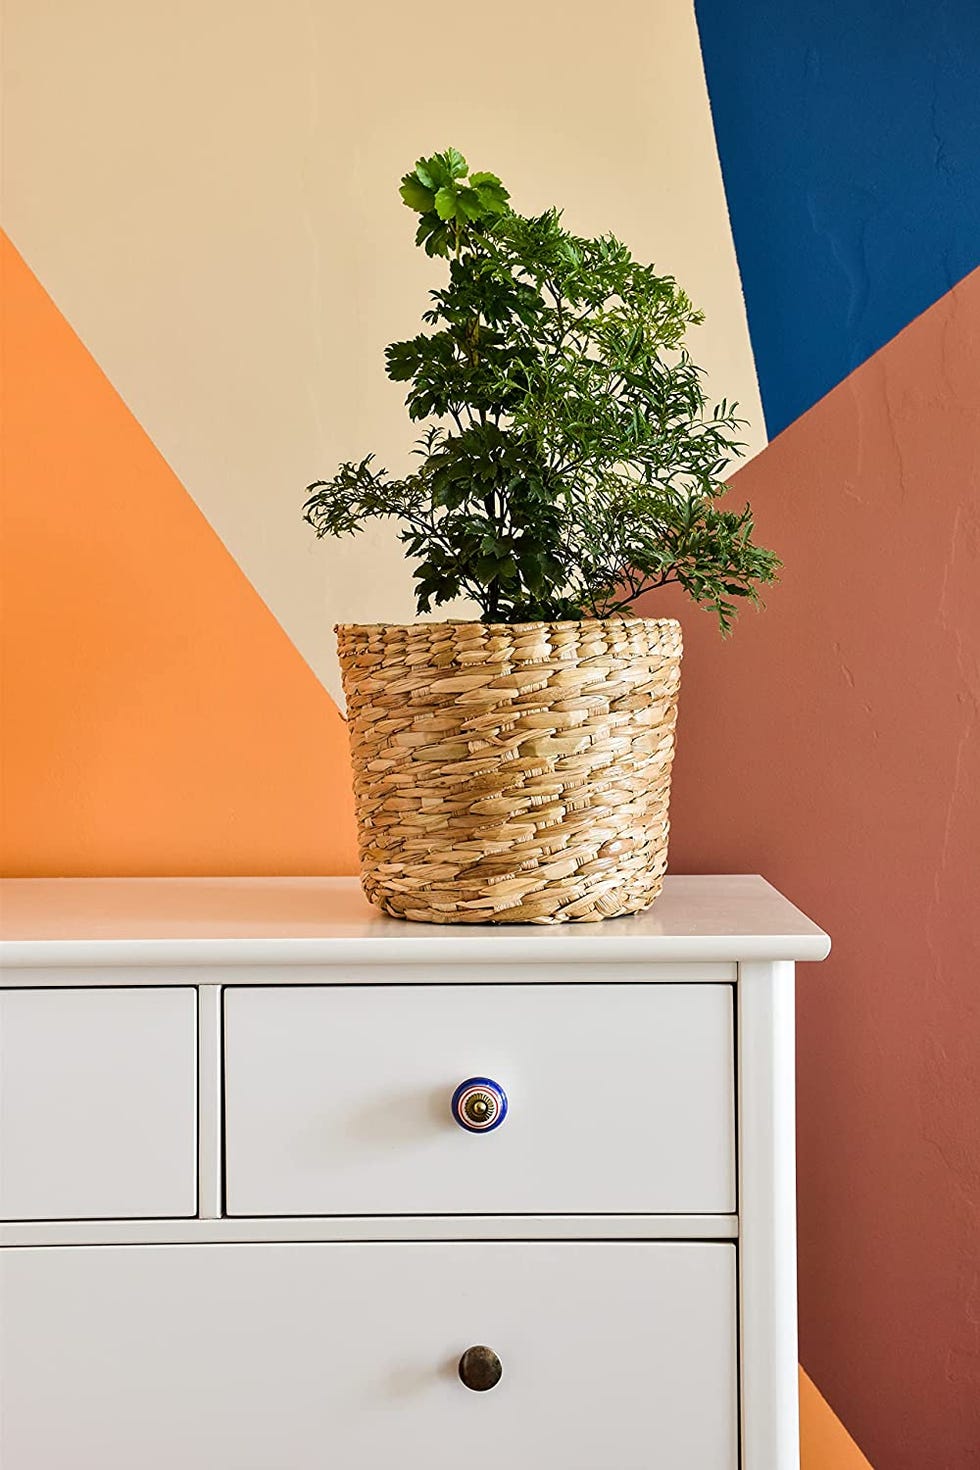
[208,189]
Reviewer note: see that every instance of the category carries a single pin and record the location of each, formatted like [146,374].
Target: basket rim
[505,628]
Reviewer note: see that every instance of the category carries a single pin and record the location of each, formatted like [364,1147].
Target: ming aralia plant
[570,460]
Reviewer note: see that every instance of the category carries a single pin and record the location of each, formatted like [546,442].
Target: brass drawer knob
[479,1104]
[480,1369]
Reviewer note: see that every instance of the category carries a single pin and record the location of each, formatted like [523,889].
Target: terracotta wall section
[834,745]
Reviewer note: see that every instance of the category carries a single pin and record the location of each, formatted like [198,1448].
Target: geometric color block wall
[206,256]
[209,194]
[849,136]
[156,718]
[833,743]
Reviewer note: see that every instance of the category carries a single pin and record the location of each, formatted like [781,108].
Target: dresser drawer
[620,1099]
[615,1356]
[98,1103]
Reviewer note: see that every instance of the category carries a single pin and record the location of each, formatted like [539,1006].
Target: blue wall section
[849,138]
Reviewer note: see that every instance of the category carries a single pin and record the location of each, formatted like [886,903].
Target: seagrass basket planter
[512,773]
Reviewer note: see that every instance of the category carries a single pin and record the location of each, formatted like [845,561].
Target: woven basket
[512,773]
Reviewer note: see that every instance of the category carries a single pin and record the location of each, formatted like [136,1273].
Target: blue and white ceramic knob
[479,1105]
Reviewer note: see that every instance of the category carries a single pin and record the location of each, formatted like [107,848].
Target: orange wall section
[824,1442]
[833,744]
[155,718]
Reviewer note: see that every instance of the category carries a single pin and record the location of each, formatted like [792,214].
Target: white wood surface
[98,1103]
[75,922]
[369,1227]
[210,1141]
[621,1099]
[615,1357]
[292,972]
[767,1217]
[133,1334]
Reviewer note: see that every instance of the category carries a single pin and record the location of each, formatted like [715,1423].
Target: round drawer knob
[480,1369]
[479,1105]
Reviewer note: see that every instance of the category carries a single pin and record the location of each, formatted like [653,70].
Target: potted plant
[518,768]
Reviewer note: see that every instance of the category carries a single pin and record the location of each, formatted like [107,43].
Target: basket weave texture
[512,773]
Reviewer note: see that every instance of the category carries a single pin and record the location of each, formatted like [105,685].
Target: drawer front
[620,1098]
[614,1357]
[98,1103]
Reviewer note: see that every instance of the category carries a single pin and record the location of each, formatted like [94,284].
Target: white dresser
[286,1184]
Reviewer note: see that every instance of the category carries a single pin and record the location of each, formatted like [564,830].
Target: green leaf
[416,195]
[446,202]
[432,233]
[402,360]
[433,171]
[493,195]
[531,571]
[455,163]
[469,204]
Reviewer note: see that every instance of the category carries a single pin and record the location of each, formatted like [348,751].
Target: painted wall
[210,195]
[833,743]
[206,257]
[849,135]
[154,716]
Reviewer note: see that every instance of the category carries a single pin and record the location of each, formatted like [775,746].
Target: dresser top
[52,922]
